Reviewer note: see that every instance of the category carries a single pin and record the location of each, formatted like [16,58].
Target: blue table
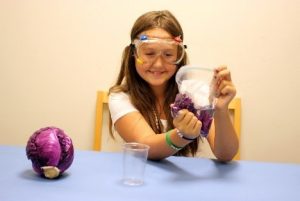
[96,176]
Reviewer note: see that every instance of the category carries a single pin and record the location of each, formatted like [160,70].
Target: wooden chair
[235,110]
[102,99]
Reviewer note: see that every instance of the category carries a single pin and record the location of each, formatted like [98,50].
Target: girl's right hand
[187,123]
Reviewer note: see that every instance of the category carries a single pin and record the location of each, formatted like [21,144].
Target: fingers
[225,87]
[197,127]
[186,122]
[181,115]
[189,119]
[184,118]
[222,73]
[223,82]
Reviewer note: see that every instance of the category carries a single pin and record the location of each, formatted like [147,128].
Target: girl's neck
[159,94]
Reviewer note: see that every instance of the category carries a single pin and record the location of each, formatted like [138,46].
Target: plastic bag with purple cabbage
[196,94]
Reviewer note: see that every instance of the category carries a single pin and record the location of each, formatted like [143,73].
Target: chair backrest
[235,110]
[102,99]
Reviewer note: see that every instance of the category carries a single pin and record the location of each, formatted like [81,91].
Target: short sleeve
[119,105]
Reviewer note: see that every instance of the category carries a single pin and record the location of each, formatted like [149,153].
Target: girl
[139,102]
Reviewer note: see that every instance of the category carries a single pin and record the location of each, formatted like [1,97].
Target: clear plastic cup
[197,83]
[134,163]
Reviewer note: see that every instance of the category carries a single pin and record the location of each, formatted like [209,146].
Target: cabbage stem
[50,172]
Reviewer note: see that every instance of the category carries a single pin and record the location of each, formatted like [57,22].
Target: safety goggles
[147,50]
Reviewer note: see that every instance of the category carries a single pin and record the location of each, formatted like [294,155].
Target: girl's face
[158,72]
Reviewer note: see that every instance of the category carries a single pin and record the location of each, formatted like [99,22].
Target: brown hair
[138,90]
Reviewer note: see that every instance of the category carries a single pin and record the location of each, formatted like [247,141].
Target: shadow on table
[29,174]
[212,169]
[223,169]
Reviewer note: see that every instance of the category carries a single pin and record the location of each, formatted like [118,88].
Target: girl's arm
[223,138]
[132,127]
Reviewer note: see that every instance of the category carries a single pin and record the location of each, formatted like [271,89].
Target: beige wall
[55,55]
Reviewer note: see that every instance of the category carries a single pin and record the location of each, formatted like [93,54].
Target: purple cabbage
[204,114]
[50,151]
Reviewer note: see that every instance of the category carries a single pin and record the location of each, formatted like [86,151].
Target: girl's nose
[158,60]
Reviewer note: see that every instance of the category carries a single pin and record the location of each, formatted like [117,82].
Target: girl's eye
[169,54]
[149,53]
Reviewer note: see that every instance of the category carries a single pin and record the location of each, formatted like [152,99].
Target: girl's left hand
[224,88]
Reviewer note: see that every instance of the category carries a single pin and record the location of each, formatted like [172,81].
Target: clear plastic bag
[197,94]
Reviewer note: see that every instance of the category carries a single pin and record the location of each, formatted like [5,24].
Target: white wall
[55,55]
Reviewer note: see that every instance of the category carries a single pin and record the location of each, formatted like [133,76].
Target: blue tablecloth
[97,176]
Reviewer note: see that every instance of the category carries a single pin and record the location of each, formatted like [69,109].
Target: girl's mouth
[156,73]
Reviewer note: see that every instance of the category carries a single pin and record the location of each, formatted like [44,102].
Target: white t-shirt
[119,105]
